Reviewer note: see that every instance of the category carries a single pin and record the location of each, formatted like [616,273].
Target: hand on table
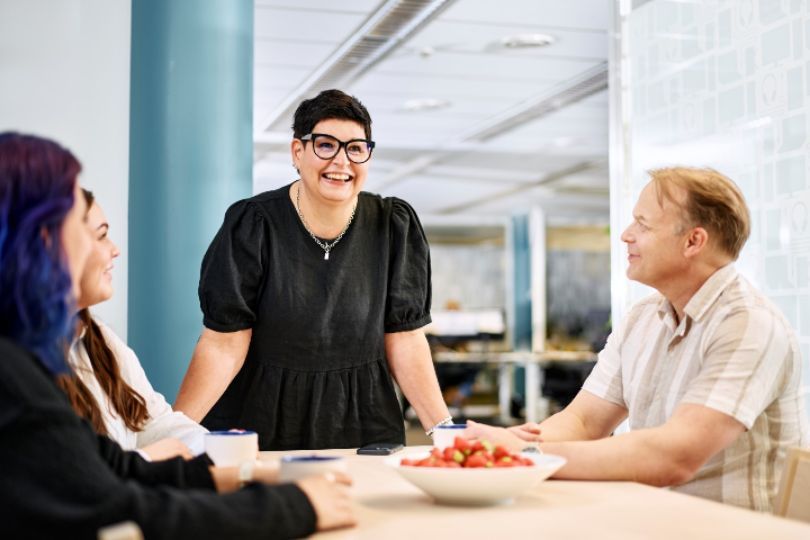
[495,435]
[167,448]
[329,495]
[529,432]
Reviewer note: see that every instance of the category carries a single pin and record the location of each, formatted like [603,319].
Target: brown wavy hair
[128,403]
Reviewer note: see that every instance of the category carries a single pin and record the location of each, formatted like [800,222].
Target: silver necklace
[325,246]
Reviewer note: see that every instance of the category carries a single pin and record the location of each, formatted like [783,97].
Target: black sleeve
[233,269]
[175,472]
[56,481]
[407,305]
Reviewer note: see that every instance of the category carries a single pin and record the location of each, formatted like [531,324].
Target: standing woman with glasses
[313,296]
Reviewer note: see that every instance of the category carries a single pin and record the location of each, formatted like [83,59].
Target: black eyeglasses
[327,147]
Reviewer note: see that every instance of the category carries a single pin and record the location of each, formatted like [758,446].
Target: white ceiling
[557,161]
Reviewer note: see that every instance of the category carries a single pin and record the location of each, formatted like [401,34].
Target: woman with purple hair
[57,476]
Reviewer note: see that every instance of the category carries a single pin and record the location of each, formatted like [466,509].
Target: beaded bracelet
[443,422]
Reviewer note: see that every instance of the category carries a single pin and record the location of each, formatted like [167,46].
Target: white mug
[296,467]
[231,448]
[444,436]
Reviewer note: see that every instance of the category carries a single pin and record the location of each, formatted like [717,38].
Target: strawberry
[463,445]
[475,461]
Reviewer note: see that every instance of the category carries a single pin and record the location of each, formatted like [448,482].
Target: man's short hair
[712,201]
[330,105]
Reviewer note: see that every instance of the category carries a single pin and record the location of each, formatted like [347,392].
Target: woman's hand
[329,495]
[167,448]
[265,473]
[495,435]
[529,432]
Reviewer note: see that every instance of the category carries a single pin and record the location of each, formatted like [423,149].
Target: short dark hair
[328,105]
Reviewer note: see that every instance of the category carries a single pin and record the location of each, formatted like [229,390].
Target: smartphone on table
[379,449]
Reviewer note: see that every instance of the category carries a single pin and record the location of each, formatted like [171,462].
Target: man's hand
[495,435]
[529,432]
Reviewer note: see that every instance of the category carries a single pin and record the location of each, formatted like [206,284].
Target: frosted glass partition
[725,84]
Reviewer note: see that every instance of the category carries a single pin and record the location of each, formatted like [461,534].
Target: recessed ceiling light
[562,142]
[425,104]
[525,41]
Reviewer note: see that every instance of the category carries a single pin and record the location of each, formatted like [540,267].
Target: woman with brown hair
[110,388]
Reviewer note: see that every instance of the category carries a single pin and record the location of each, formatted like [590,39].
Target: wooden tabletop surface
[388,507]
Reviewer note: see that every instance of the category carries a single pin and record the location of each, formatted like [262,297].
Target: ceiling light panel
[355,6]
[281,52]
[288,24]
[571,14]
[504,67]
[466,37]
[455,88]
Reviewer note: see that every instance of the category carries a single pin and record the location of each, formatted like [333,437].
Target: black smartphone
[379,449]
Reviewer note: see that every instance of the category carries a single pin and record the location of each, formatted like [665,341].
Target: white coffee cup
[296,467]
[444,436]
[231,448]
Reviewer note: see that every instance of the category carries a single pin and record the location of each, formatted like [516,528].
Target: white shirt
[163,422]
[732,351]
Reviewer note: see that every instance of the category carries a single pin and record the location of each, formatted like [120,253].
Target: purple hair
[37,179]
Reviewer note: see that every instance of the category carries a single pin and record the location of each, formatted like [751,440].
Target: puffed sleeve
[232,270]
[407,304]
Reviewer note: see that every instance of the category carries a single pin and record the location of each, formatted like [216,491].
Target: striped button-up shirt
[734,352]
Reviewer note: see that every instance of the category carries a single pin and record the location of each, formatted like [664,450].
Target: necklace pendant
[326,255]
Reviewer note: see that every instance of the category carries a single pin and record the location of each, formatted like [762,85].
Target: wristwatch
[246,473]
[532,448]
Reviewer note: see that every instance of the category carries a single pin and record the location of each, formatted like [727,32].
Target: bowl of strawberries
[474,473]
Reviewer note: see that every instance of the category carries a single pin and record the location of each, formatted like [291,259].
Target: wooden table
[531,361]
[388,507]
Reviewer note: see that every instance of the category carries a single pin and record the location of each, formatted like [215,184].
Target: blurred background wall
[64,74]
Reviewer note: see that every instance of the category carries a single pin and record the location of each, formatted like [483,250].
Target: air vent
[389,26]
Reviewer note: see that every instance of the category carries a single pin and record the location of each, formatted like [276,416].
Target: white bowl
[476,487]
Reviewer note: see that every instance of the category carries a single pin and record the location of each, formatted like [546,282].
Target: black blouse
[58,479]
[316,374]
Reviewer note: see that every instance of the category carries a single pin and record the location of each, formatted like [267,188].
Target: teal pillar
[522,279]
[191,155]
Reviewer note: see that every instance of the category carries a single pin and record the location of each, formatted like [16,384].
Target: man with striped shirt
[707,371]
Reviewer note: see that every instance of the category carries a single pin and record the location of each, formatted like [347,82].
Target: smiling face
[96,279]
[333,181]
[76,241]
[656,240]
